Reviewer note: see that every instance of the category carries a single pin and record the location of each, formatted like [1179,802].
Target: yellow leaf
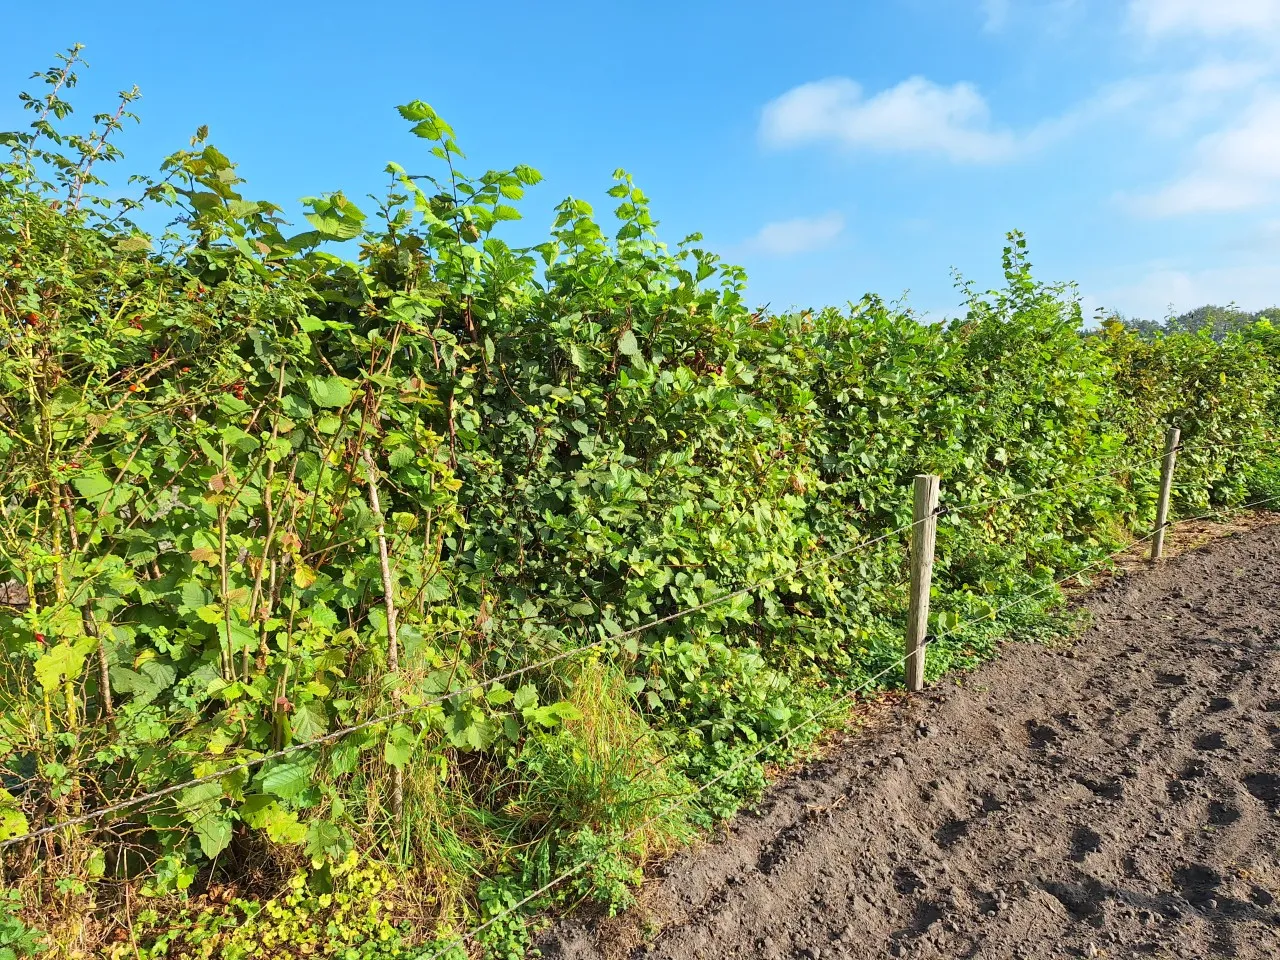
[303,576]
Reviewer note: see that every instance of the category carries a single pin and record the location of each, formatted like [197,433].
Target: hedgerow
[258,487]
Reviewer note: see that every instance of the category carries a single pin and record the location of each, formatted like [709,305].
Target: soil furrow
[1118,796]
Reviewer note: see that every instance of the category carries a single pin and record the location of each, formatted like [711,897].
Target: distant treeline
[1218,321]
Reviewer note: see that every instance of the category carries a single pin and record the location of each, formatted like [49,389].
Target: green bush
[17,939]
[256,491]
[343,911]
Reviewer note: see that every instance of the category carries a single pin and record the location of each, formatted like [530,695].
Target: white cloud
[1165,290]
[916,115]
[1257,239]
[788,238]
[1215,77]
[1198,193]
[919,116]
[995,15]
[1157,18]
[1234,168]
[1184,99]
[1267,236]
[1048,16]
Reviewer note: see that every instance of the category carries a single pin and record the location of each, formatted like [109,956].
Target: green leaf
[202,807]
[552,714]
[214,833]
[193,595]
[12,821]
[335,217]
[399,745]
[309,721]
[281,825]
[333,228]
[93,485]
[427,123]
[525,697]
[63,661]
[138,243]
[329,391]
[470,730]
[210,613]
[437,589]
[161,675]
[295,408]
[125,680]
[527,175]
[416,110]
[627,345]
[497,695]
[288,778]
[565,711]
[326,841]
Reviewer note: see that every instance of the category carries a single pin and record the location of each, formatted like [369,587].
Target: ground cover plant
[262,485]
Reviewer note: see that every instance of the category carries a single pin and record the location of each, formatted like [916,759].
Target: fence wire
[334,736]
[840,701]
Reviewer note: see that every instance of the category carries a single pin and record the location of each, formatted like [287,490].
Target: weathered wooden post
[924,534]
[1166,488]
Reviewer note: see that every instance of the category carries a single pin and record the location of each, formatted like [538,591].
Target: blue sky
[832,148]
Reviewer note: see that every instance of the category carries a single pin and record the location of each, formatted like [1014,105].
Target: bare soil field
[1114,796]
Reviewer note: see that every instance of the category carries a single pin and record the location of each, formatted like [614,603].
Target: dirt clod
[1122,801]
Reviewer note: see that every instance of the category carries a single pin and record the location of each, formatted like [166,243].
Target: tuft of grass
[598,789]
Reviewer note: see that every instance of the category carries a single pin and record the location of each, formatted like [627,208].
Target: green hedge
[566,441]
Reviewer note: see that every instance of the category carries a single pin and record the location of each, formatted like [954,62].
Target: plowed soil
[1116,796]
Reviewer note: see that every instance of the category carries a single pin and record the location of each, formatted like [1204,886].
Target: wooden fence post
[924,534]
[1166,488]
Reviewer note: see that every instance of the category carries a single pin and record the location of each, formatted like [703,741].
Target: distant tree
[1147,329]
[1217,320]
[1144,328]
